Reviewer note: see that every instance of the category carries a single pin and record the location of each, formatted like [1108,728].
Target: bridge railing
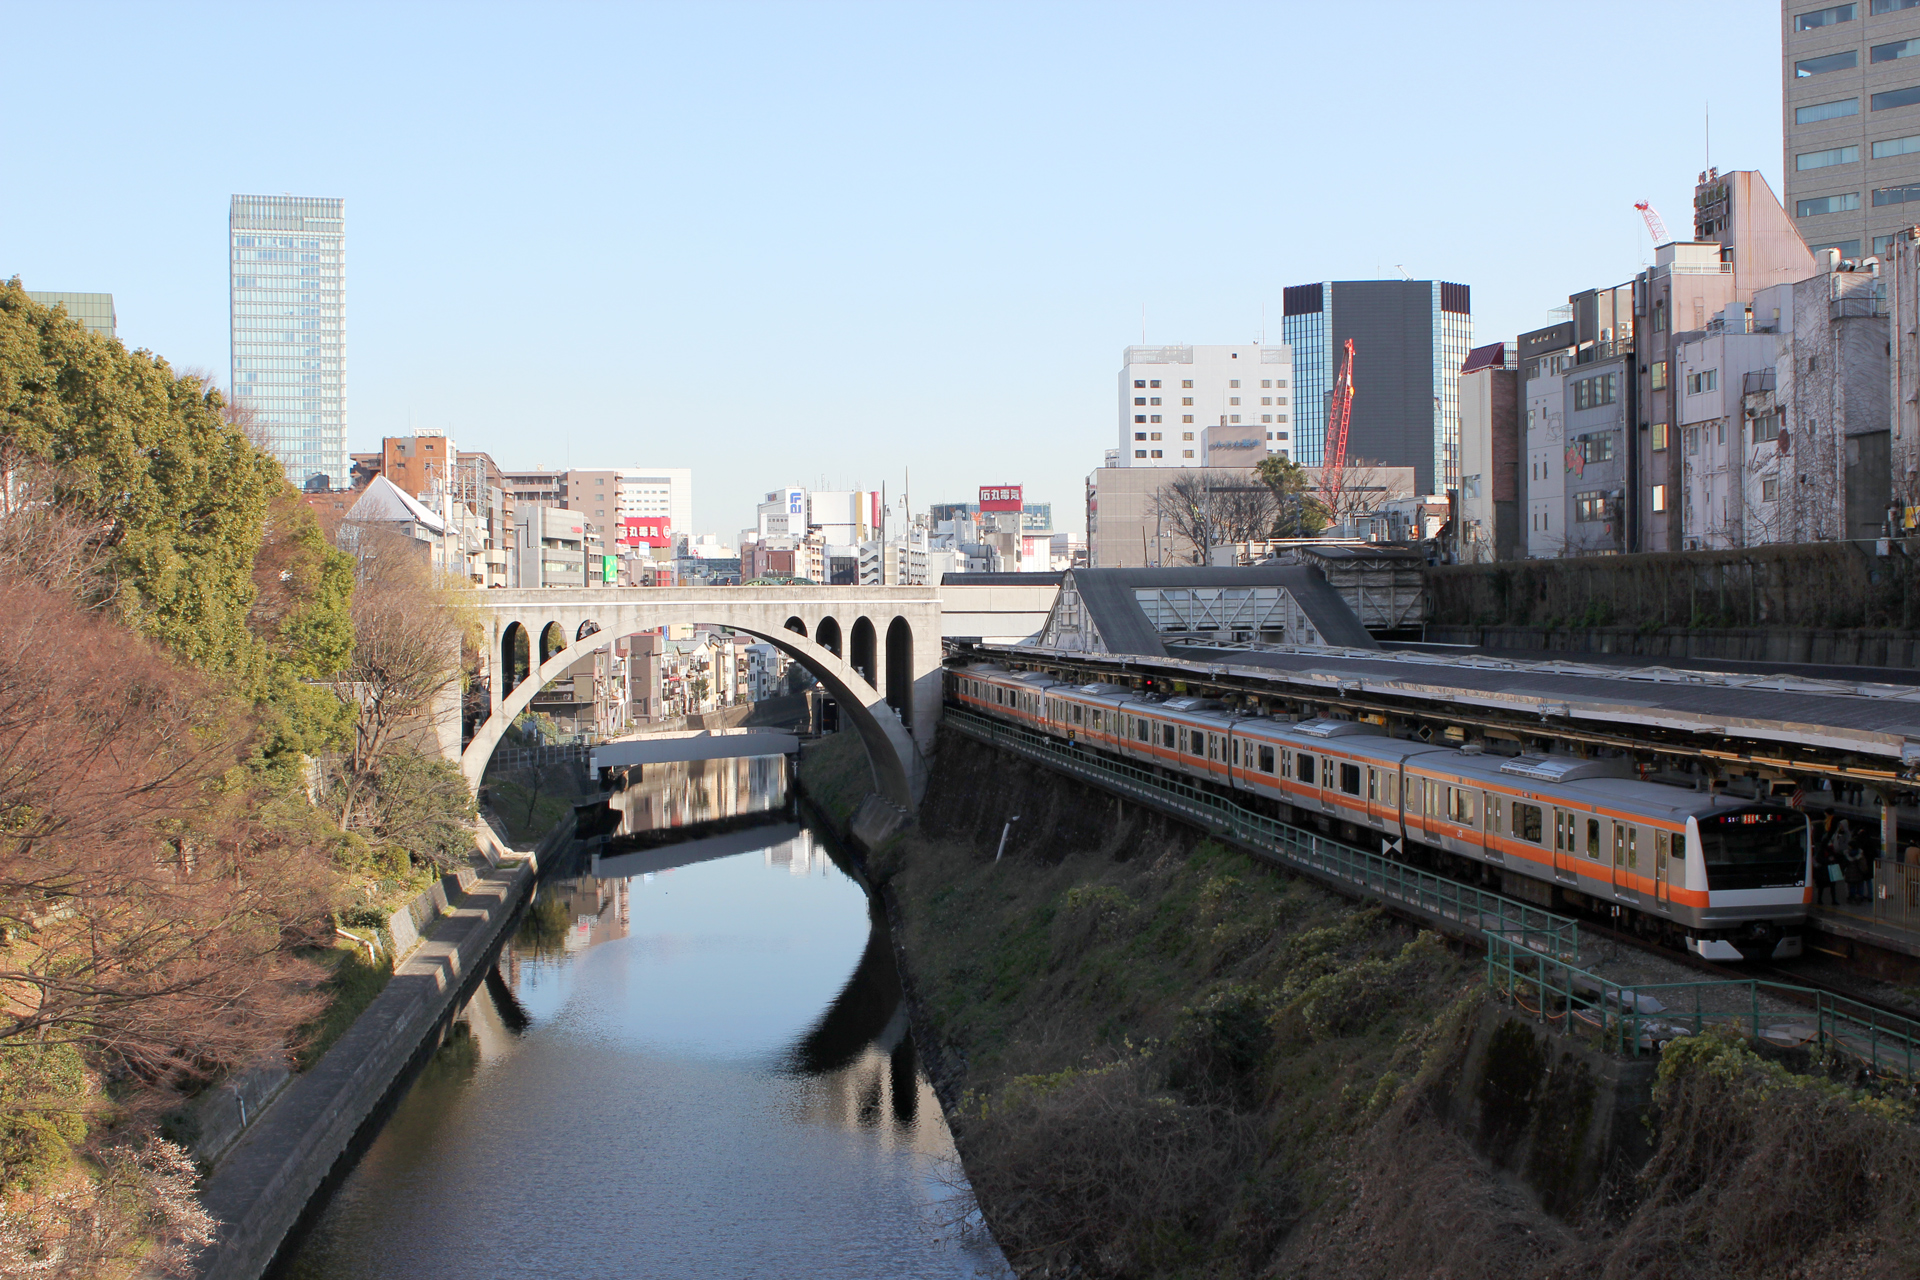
[1473,909]
[1643,1017]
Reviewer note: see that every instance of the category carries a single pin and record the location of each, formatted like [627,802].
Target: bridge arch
[861,654]
[899,669]
[553,638]
[827,635]
[797,626]
[514,657]
[890,748]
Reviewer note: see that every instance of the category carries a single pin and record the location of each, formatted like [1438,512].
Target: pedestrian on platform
[1825,888]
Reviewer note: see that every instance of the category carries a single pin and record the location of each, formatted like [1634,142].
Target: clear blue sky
[782,243]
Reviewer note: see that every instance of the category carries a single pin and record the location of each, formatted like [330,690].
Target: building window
[1895,98]
[1883,245]
[1766,428]
[1693,441]
[1139,435]
[1233,399]
[1140,382]
[1186,453]
[1831,156]
[1592,393]
[1706,380]
[1186,399]
[1280,382]
[1155,400]
[1156,453]
[1187,384]
[1896,195]
[1825,17]
[1830,62]
[1898,49]
[1893,6]
[1266,417]
[1659,435]
[1266,384]
[1826,111]
[1659,376]
[1590,506]
[1847,248]
[1595,448]
[1266,399]
[1234,382]
[1828,204]
[1659,497]
[1139,417]
[1769,491]
[1155,383]
[1279,435]
[1153,417]
[1279,417]
[1186,417]
[1186,435]
[1139,399]
[1660,316]
[1154,436]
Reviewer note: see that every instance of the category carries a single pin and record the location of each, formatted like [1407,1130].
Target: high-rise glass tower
[288,264]
[1410,338]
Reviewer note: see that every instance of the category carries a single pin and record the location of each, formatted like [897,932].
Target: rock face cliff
[1162,1058]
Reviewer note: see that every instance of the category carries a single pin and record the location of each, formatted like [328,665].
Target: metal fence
[1643,1018]
[1421,892]
[551,753]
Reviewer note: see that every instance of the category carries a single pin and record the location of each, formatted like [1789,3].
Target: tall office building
[1851,106]
[1170,396]
[94,310]
[288,264]
[1410,338]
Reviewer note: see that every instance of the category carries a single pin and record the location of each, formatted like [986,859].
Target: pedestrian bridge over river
[876,650]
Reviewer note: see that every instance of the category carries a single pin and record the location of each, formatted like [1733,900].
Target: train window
[1373,784]
[1166,736]
[1562,840]
[1526,821]
[1266,759]
[1143,730]
[1593,838]
[1619,844]
[1462,805]
[1196,742]
[1662,850]
[999,695]
[1326,772]
[1078,713]
[1493,813]
[1213,746]
[1633,848]
[1350,779]
[1393,784]
[1236,751]
[1305,763]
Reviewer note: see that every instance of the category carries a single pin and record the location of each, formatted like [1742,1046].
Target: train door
[1566,846]
[1625,859]
[1662,890]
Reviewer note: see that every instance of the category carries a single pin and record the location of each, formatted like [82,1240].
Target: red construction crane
[1339,414]
[1655,227]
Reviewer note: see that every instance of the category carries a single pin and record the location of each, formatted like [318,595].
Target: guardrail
[1643,1018]
[553,753]
[1410,888]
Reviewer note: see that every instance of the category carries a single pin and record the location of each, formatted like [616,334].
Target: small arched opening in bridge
[798,627]
[553,638]
[900,669]
[826,634]
[514,658]
[587,628]
[862,657]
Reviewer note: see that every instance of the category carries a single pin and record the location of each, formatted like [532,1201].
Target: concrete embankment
[265,1182]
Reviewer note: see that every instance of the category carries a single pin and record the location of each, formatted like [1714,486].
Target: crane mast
[1655,227]
[1339,414]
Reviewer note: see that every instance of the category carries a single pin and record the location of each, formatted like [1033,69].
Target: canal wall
[262,1187]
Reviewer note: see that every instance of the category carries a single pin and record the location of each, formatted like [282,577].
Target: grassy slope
[1168,1060]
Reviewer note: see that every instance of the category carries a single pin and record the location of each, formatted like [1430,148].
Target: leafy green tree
[207,547]
[1302,515]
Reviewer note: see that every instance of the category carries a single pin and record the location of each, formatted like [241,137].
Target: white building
[783,514]
[1543,432]
[1169,396]
[606,497]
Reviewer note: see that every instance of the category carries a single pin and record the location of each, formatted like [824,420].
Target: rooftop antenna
[1402,269]
[1707,114]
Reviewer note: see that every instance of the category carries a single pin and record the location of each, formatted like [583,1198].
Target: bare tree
[407,654]
[1215,508]
[1361,491]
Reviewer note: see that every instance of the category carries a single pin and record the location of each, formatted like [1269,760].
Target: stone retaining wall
[265,1183]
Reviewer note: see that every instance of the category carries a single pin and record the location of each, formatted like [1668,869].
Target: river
[701,1069]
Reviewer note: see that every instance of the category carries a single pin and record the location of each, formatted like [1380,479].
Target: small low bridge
[693,744]
[876,651]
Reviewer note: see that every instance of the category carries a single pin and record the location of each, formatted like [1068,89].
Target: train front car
[1757,863]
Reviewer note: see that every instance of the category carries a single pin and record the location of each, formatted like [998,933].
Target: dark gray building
[1410,338]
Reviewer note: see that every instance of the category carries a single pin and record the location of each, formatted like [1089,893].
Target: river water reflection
[699,1069]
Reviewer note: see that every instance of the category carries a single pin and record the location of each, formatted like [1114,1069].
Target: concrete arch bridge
[876,650]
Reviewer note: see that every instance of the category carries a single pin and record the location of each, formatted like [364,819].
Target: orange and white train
[1727,876]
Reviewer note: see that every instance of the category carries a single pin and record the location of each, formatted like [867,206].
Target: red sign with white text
[1004,497]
